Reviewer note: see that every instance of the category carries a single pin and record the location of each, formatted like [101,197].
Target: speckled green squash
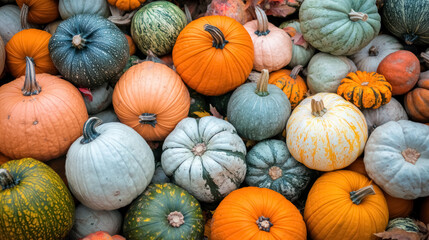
[156,27]
[270,165]
[37,205]
[331,26]
[88,50]
[153,215]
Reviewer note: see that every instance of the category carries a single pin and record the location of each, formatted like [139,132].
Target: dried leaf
[86,93]
[215,113]
[299,40]
[398,234]
[254,76]
[280,10]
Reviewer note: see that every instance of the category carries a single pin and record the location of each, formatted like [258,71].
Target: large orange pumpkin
[257,213]
[31,43]
[291,83]
[213,55]
[151,98]
[344,205]
[417,100]
[40,116]
[38,11]
[401,69]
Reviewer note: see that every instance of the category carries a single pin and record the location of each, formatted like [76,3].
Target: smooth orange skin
[41,11]
[401,69]
[126,5]
[236,215]
[154,88]
[295,89]
[208,70]
[131,44]
[416,102]
[102,235]
[358,166]
[29,43]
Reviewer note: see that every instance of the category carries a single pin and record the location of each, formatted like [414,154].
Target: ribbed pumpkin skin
[330,213]
[407,19]
[156,26]
[236,216]
[29,43]
[147,216]
[208,70]
[270,155]
[102,58]
[39,207]
[417,100]
[365,90]
[69,8]
[41,126]
[295,89]
[330,142]
[337,34]
[41,11]
[212,174]
[152,88]
[126,5]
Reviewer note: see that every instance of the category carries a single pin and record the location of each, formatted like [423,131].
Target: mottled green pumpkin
[164,211]
[156,26]
[35,203]
[270,165]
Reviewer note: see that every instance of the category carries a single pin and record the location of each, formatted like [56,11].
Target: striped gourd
[156,26]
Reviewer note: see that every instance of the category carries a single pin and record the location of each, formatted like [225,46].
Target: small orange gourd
[131,44]
[102,235]
[416,101]
[291,83]
[38,11]
[126,5]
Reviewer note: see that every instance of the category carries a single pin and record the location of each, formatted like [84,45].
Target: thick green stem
[262,22]
[262,84]
[7,180]
[219,40]
[89,133]
[359,195]
[31,87]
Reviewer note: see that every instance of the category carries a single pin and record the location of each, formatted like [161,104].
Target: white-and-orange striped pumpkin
[326,132]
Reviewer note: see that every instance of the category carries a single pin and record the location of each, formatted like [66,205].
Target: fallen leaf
[299,40]
[215,113]
[86,93]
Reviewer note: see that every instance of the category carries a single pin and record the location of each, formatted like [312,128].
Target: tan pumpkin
[416,102]
[272,45]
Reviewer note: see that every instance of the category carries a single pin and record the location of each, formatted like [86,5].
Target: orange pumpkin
[257,213]
[291,83]
[31,43]
[416,102]
[344,205]
[102,235]
[42,119]
[126,5]
[358,166]
[131,44]
[424,210]
[401,69]
[38,11]
[213,55]
[151,98]
[365,90]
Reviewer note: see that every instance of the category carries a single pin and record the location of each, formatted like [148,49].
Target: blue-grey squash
[69,8]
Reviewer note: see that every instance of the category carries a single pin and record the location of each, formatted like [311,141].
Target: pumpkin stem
[356,16]
[199,149]
[78,42]
[410,155]
[176,219]
[24,16]
[264,223]
[89,133]
[364,83]
[7,180]
[359,195]
[262,84]
[295,71]
[317,108]
[31,87]
[373,51]
[275,172]
[425,56]
[410,38]
[148,118]
[188,14]
[262,22]
[219,40]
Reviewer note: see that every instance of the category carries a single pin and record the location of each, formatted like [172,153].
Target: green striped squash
[164,211]
[156,27]
[35,203]
[407,19]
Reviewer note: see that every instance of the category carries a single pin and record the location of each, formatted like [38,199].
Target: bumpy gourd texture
[126,5]
[365,90]
[295,89]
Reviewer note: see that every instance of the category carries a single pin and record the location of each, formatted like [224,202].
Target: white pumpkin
[206,157]
[369,57]
[69,8]
[10,22]
[109,166]
[107,115]
[392,111]
[100,100]
[397,158]
[325,132]
[325,72]
[87,221]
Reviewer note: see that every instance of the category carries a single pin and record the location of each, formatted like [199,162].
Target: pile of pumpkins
[135,119]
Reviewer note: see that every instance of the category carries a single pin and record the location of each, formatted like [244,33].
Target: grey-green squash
[69,8]
[258,110]
[164,211]
[88,50]
[339,27]
[10,22]
[270,165]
